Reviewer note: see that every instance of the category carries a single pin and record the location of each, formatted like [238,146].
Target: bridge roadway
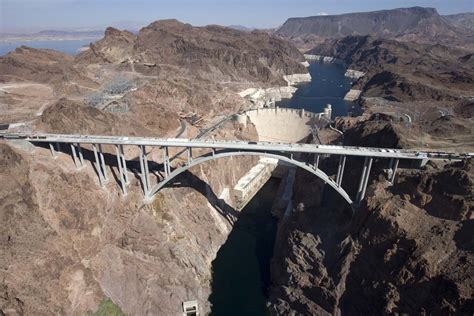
[241,145]
[221,149]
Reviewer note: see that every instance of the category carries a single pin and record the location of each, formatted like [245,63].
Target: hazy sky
[25,14]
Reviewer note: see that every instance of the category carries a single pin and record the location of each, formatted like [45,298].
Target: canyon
[71,247]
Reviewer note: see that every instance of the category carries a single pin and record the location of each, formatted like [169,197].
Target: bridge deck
[241,145]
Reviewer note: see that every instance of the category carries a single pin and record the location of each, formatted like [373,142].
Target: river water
[241,274]
[241,270]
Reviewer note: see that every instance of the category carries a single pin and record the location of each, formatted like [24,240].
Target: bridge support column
[166,162]
[75,157]
[122,170]
[144,171]
[98,166]
[393,168]
[102,162]
[340,170]
[81,157]
[364,180]
[190,155]
[53,151]
[316,161]
[124,164]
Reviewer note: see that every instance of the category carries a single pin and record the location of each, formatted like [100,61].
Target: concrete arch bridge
[212,149]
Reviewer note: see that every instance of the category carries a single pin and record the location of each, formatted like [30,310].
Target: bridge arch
[217,155]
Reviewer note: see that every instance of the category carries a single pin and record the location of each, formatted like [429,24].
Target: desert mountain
[462,20]
[404,70]
[416,23]
[166,68]
[210,52]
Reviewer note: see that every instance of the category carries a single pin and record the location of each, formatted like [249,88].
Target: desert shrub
[108,308]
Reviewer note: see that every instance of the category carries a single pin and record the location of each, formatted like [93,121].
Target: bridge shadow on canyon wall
[190,180]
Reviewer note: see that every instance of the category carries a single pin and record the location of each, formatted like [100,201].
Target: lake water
[241,270]
[328,86]
[70,47]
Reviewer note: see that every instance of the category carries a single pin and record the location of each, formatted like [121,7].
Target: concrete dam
[283,125]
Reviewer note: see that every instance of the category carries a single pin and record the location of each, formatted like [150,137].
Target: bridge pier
[316,161]
[364,180]
[78,159]
[166,162]
[102,161]
[122,168]
[98,166]
[144,171]
[124,164]
[81,157]
[190,155]
[340,170]
[393,169]
[53,151]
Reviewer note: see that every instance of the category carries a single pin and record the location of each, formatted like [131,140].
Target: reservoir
[241,271]
[70,47]
[328,86]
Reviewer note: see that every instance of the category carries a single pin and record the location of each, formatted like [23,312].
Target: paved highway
[240,146]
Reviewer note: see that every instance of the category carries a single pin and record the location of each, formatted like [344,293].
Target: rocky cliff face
[405,250]
[68,245]
[413,24]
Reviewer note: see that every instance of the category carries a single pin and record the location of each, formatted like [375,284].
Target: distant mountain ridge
[462,20]
[52,35]
[416,23]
